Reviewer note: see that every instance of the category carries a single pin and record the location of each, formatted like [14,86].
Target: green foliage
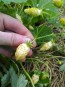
[5,79]
[43,33]
[44,79]
[62,67]
[43,3]
[39,85]
[15,1]
[14,79]
[22,82]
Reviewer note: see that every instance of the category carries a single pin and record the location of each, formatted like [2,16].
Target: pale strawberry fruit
[46,46]
[62,21]
[58,3]
[33,11]
[35,78]
[22,51]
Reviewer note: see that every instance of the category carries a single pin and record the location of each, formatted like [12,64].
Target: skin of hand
[13,33]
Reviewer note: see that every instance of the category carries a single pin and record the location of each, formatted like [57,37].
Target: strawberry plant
[45,19]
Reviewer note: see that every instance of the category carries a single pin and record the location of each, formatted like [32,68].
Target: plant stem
[43,36]
[36,60]
[27,74]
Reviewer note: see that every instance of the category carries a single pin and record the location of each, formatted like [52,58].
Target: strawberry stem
[26,74]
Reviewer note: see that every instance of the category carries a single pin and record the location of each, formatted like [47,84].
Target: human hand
[13,33]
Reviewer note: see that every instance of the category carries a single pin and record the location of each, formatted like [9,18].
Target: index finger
[13,24]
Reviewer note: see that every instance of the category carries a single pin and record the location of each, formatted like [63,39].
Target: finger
[12,39]
[23,60]
[16,26]
[30,53]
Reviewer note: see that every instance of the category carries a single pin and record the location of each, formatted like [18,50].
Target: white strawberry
[22,51]
[35,78]
[33,11]
[46,46]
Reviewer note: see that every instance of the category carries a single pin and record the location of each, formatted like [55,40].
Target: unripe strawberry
[19,18]
[62,21]
[59,62]
[22,51]
[58,3]
[31,27]
[46,46]
[35,78]
[44,78]
[44,75]
[33,11]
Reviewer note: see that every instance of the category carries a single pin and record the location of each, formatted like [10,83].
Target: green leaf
[43,3]
[14,77]
[7,9]
[5,79]
[22,82]
[16,1]
[62,67]
[39,85]
[33,3]
[49,8]
[43,34]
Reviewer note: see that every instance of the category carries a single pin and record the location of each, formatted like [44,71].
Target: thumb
[12,39]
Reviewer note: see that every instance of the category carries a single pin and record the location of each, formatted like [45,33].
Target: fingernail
[27,39]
